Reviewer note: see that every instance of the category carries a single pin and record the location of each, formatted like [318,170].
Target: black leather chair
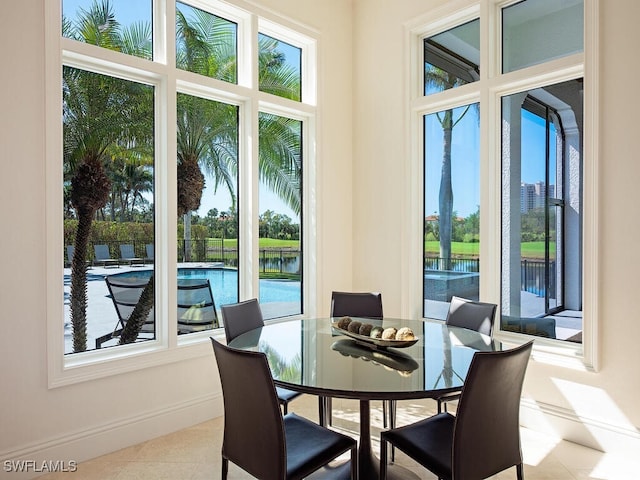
[483,438]
[478,316]
[239,318]
[355,304]
[257,438]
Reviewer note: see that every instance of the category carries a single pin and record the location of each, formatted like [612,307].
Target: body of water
[224,285]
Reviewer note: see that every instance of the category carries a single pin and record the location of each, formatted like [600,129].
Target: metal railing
[532,272]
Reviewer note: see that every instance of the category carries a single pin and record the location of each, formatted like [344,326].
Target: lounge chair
[103,257]
[70,251]
[150,253]
[196,307]
[127,255]
[125,293]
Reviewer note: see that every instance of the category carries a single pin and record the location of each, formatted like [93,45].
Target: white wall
[598,409]
[88,419]
[361,123]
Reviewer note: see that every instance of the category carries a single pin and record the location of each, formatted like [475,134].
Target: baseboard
[568,425]
[83,445]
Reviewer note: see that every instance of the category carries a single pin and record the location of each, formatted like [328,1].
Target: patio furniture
[540,327]
[196,307]
[149,249]
[483,439]
[125,293]
[70,252]
[256,437]
[477,316]
[103,257]
[127,255]
[241,317]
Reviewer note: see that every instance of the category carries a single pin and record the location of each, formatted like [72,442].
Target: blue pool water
[224,285]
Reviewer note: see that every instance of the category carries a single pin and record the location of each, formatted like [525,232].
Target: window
[505,143]
[452,58]
[182,177]
[542,211]
[280,219]
[451,207]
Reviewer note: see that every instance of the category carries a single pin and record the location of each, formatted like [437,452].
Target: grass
[265,243]
[530,250]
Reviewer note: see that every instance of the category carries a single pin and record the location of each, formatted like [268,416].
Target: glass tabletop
[308,355]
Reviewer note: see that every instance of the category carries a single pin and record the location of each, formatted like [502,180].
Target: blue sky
[465,147]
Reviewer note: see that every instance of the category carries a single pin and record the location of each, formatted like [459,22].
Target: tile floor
[194,453]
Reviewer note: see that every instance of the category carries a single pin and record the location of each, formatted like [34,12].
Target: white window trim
[167,80]
[489,91]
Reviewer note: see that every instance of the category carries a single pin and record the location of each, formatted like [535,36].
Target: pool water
[224,285]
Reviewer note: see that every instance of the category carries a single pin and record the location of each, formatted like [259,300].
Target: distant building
[532,195]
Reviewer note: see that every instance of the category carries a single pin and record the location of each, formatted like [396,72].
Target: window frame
[488,91]
[162,73]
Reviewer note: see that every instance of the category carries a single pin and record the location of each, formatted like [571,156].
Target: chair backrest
[102,252]
[486,437]
[125,293]
[196,307]
[253,437]
[126,251]
[478,316]
[241,317]
[356,304]
[150,251]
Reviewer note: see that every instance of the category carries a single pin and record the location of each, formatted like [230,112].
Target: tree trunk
[446,194]
[187,237]
[78,299]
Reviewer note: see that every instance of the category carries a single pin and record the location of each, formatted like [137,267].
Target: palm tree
[100,114]
[442,80]
[207,131]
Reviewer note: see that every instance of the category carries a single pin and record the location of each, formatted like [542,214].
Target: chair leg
[285,408]
[383,459]
[520,471]
[385,413]
[392,422]
[354,463]
[324,411]
[225,468]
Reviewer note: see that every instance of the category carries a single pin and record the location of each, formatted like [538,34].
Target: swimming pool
[224,285]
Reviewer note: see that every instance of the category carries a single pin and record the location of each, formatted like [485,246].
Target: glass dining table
[310,356]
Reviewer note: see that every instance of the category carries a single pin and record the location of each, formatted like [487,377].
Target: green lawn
[529,249]
[265,243]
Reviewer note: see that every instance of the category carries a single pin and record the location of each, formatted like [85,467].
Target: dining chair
[239,318]
[464,313]
[256,437]
[483,438]
[356,304]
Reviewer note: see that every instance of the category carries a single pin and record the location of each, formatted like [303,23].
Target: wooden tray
[374,342]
